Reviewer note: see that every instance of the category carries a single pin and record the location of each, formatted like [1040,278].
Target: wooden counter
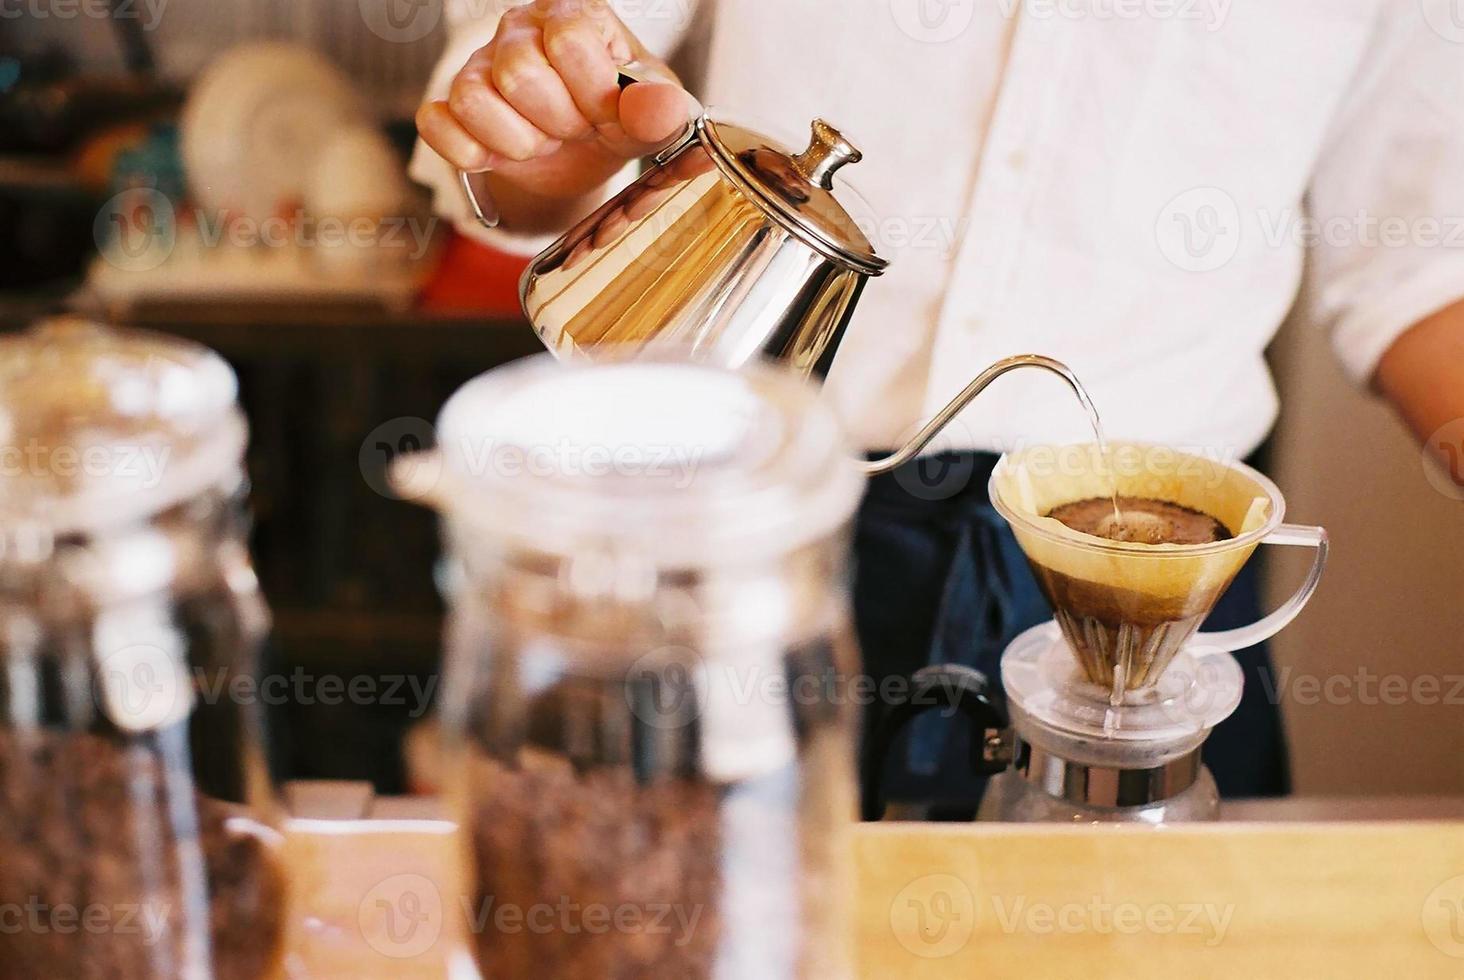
[1369,899]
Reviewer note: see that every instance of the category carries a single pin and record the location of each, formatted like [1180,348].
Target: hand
[539,105]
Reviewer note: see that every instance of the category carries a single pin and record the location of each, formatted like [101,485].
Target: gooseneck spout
[931,429]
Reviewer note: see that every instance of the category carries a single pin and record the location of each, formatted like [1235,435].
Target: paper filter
[1126,608]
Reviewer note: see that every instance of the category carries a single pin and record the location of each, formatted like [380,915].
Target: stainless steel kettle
[729,247]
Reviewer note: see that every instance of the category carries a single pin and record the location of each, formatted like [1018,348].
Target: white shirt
[1135,187]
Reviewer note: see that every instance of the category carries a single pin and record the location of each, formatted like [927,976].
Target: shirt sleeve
[1386,205]
[660,25]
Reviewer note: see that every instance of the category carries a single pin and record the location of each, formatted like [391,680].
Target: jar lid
[797,188]
[102,427]
[666,464]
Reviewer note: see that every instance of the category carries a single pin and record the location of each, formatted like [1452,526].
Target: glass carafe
[651,759]
[136,825]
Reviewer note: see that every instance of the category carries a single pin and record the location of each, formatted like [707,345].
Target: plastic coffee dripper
[1126,609]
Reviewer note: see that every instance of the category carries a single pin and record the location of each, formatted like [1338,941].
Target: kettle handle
[475,185]
[943,418]
[951,687]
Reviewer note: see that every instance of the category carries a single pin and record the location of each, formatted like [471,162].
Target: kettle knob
[827,153]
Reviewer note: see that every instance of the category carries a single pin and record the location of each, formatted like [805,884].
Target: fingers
[581,56]
[489,118]
[441,131]
[549,77]
[523,75]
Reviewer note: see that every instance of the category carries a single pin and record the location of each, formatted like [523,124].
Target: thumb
[653,112]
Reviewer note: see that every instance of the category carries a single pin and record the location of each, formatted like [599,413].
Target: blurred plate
[254,123]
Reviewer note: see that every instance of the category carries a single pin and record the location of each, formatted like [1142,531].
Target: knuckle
[519,15]
[466,97]
[592,15]
[515,70]
[569,38]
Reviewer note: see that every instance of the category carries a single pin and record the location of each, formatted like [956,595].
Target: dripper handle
[1292,535]
[475,185]
[956,405]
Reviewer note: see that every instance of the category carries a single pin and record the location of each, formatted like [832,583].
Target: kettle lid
[797,188]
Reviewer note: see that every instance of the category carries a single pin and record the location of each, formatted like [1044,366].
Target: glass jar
[651,747]
[136,826]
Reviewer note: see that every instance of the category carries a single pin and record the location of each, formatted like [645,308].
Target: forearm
[1422,374]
